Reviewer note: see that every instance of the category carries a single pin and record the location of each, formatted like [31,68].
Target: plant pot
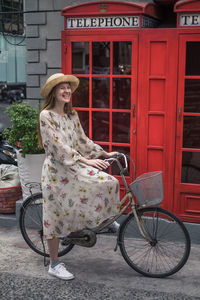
[8,198]
[30,169]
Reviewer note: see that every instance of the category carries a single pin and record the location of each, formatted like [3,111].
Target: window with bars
[191,124]
[103,99]
[11,20]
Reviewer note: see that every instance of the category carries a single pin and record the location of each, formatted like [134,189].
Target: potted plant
[23,133]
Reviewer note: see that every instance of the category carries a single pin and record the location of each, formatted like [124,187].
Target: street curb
[9,220]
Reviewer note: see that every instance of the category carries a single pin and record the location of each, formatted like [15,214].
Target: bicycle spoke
[166,251]
[31,208]
[31,226]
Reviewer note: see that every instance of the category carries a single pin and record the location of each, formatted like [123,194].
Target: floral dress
[75,195]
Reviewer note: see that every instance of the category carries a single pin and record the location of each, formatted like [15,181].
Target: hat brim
[74,82]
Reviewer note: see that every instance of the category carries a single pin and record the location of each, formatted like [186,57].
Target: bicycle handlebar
[122,170]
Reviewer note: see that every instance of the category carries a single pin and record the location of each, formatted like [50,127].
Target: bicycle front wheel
[168,248]
[31,226]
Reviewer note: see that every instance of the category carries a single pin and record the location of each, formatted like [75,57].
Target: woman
[76,192]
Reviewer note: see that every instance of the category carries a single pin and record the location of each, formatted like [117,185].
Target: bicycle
[152,240]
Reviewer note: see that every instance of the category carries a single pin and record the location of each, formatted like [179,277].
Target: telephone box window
[190,167]
[121,127]
[80,57]
[125,150]
[192,96]
[84,119]
[121,93]
[122,57]
[192,58]
[190,172]
[100,126]
[101,58]
[100,92]
[191,130]
[81,95]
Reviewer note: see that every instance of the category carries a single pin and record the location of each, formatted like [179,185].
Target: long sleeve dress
[75,195]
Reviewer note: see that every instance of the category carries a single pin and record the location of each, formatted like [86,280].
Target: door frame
[158,152]
[184,193]
[93,36]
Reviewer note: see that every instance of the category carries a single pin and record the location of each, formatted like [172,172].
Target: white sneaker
[60,272]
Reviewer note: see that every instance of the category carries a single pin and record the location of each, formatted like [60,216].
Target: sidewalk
[100,273]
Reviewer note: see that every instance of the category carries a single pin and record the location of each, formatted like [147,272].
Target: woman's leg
[57,269]
[53,245]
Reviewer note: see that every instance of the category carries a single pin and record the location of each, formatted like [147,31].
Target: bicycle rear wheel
[169,249]
[31,226]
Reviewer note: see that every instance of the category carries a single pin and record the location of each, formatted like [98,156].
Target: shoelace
[61,266]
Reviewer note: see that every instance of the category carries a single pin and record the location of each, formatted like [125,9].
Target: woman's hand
[97,163]
[110,154]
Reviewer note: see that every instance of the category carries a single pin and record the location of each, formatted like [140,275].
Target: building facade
[139,69]
[12,43]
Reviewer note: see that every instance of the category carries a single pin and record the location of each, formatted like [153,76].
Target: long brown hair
[49,103]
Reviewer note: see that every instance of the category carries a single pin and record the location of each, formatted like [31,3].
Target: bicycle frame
[128,195]
[160,252]
[131,203]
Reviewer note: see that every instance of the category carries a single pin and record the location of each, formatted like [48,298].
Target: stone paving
[100,273]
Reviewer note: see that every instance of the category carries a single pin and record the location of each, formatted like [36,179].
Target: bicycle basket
[148,188]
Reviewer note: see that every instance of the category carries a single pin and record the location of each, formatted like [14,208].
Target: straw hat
[57,78]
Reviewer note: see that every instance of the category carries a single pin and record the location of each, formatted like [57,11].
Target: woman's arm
[86,147]
[109,154]
[97,163]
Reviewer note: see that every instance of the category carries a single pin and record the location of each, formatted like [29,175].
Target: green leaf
[24,121]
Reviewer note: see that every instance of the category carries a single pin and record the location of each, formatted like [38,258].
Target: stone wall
[44,24]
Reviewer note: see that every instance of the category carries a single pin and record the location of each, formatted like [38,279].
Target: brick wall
[44,24]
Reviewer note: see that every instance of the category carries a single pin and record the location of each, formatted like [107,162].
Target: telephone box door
[187,171]
[106,99]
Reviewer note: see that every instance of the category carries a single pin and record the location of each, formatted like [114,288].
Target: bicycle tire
[170,248]
[31,226]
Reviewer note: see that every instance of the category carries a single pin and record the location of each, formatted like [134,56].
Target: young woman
[76,191]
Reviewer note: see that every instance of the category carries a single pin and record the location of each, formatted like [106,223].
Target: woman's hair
[49,103]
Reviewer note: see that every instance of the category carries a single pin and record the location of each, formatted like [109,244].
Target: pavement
[100,273]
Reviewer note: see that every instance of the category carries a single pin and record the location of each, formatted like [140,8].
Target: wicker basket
[8,198]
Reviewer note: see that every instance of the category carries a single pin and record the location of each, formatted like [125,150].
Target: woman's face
[63,93]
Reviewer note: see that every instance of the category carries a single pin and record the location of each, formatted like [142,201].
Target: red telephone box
[130,73]
[187,167]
